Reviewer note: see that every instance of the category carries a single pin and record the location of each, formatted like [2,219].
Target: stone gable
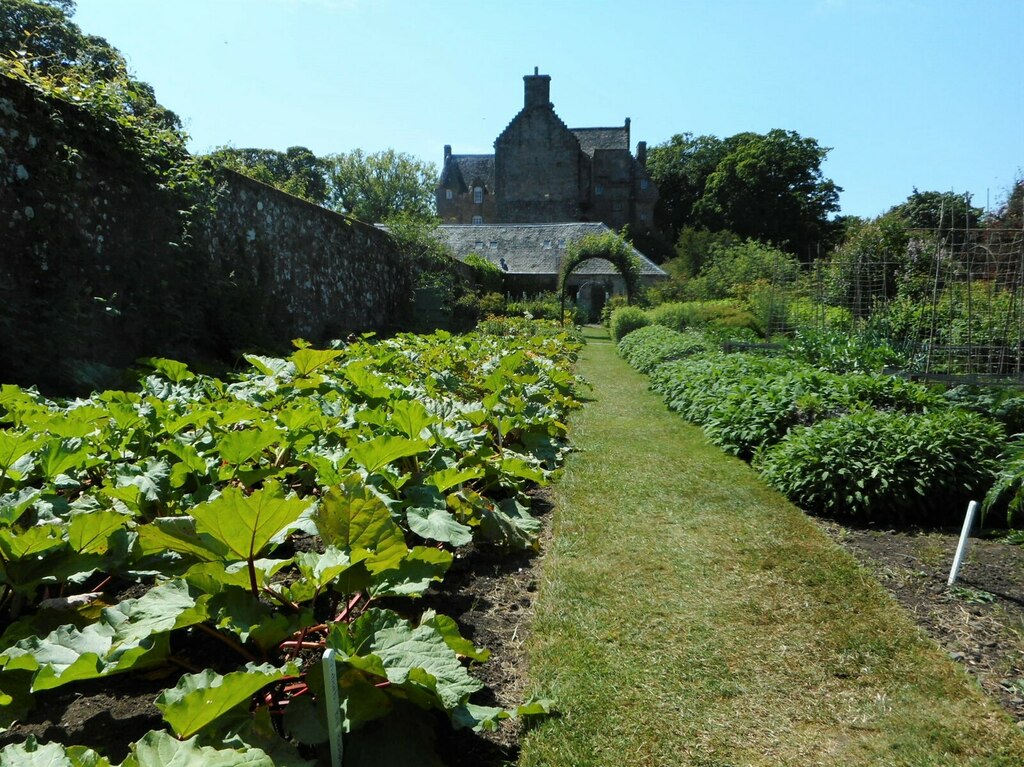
[542,171]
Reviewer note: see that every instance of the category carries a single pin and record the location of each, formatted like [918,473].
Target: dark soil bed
[979,621]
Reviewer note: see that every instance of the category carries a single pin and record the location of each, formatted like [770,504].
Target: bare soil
[979,621]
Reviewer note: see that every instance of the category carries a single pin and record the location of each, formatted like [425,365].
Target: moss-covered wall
[96,270]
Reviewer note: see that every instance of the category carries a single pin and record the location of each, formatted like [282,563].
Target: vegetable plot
[862,445]
[301,506]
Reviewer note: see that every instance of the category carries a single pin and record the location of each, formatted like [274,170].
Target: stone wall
[286,268]
[96,269]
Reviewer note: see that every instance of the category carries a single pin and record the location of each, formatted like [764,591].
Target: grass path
[688,615]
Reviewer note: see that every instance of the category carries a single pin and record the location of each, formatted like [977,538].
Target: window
[494,244]
[479,244]
[643,217]
[478,195]
[598,190]
[448,194]
[547,244]
[617,205]
[643,183]
[477,220]
[561,242]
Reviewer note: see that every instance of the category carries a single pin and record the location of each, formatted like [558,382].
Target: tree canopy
[40,36]
[768,187]
[378,186]
[372,187]
[296,170]
[940,211]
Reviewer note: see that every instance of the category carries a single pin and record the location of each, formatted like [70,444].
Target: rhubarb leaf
[245,524]
[161,749]
[378,452]
[199,699]
[352,517]
[437,524]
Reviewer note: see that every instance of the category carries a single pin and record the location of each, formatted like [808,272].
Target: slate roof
[532,248]
[592,139]
[464,170]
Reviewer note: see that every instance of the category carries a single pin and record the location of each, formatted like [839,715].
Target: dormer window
[448,194]
[479,243]
[494,244]
[477,221]
[561,242]
[547,244]
[478,194]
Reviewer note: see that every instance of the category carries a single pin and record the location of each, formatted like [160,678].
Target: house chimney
[626,126]
[641,153]
[538,90]
[447,152]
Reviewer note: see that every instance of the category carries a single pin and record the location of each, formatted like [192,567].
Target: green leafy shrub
[646,348]
[886,466]
[492,305]
[626,320]
[806,314]
[844,352]
[1004,502]
[745,401]
[732,271]
[1004,405]
[542,306]
[613,303]
[725,314]
[694,386]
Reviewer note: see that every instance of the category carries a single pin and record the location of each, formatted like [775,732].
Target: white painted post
[961,548]
[333,708]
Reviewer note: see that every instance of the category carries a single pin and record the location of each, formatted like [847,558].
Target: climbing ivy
[145,131]
[609,246]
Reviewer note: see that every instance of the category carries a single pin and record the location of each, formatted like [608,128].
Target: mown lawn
[688,615]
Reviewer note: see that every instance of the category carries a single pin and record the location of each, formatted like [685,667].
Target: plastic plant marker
[961,547]
[333,708]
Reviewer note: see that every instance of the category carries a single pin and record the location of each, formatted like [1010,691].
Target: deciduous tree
[40,35]
[296,171]
[940,211]
[378,186]
[768,187]
[771,188]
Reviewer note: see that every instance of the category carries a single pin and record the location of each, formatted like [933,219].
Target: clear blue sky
[925,93]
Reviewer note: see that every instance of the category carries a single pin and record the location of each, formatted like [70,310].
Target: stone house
[545,172]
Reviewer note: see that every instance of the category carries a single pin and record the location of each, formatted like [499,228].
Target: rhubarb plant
[291,510]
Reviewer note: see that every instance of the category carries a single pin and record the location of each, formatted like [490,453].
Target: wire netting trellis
[949,302]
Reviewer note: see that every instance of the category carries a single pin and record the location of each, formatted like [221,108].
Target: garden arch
[611,247]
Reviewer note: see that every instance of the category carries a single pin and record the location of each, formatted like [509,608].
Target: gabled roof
[532,248]
[462,171]
[592,139]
